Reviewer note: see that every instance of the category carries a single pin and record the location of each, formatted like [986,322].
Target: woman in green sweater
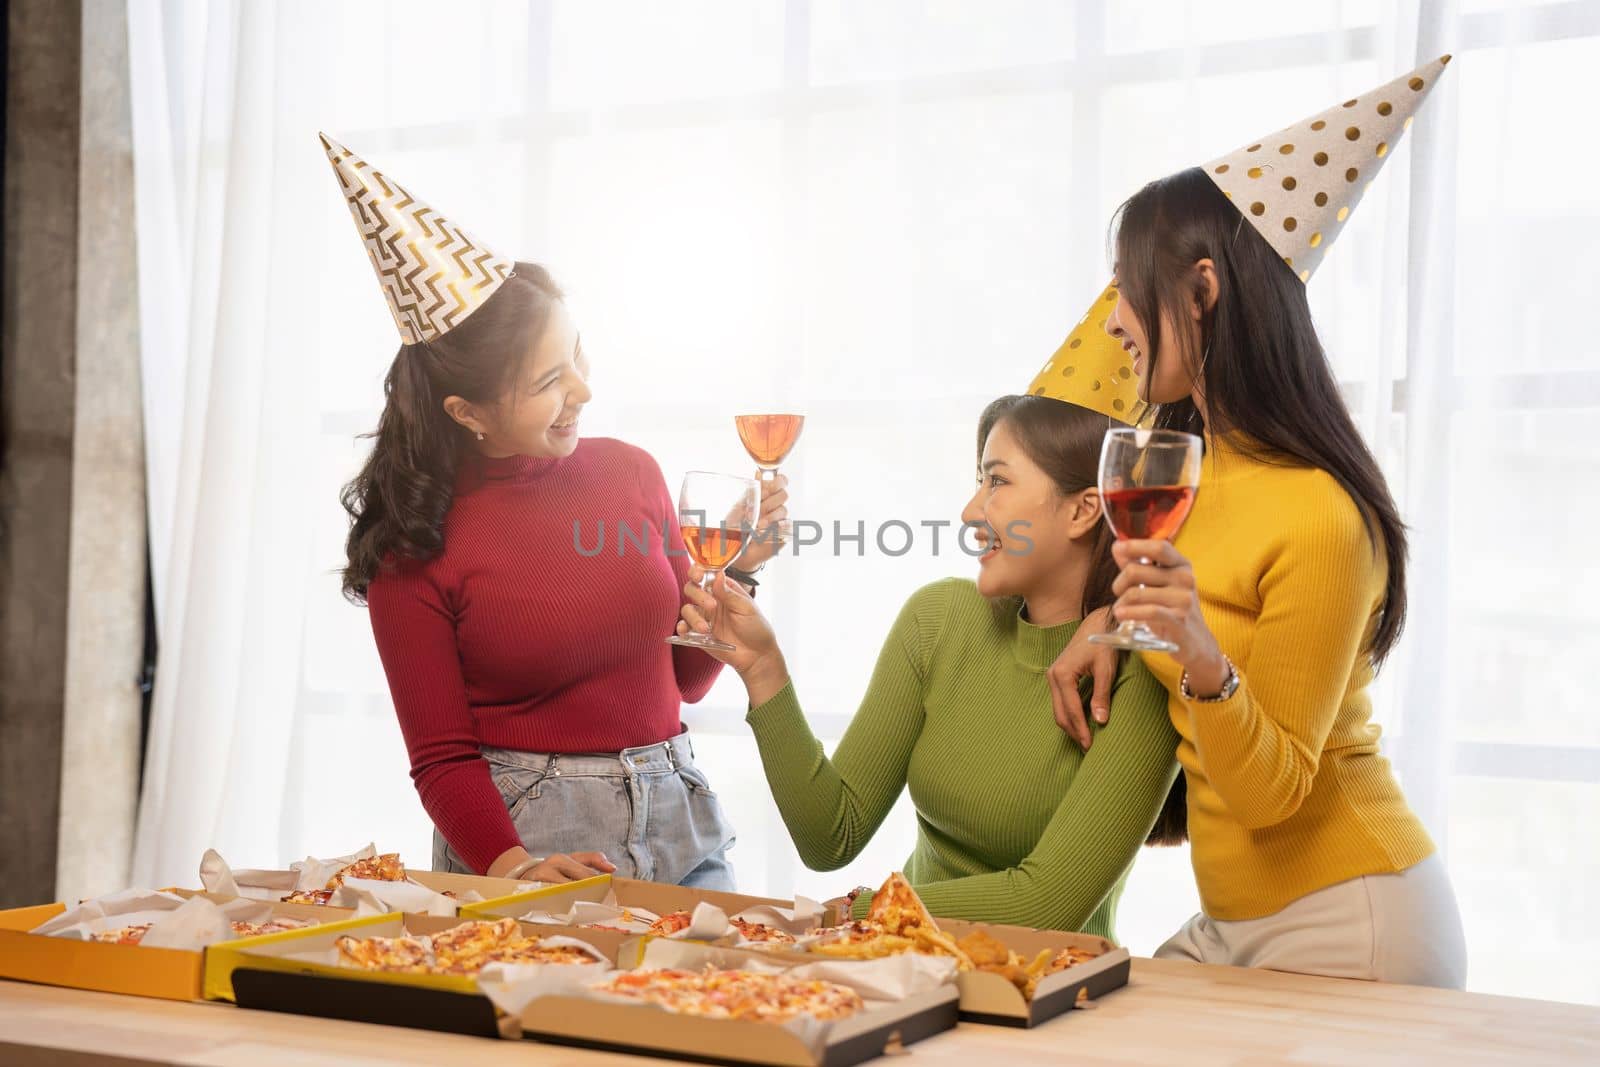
[1015,823]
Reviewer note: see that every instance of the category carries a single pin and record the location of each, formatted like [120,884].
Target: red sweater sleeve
[694,670]
[416,636]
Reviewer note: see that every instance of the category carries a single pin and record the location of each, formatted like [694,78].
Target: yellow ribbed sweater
[1287,791]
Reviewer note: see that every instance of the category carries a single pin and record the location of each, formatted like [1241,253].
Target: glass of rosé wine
[736,503]
[1148,479]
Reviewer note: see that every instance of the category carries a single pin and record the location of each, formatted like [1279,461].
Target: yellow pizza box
[135,970]
[262,975]
[658,897]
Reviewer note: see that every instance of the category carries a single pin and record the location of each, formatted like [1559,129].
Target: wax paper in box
[165,920]
[366,881]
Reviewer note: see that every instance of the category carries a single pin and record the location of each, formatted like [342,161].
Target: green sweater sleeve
[833,807]
[1096,831]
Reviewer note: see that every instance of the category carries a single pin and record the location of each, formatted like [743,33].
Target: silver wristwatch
[1230,685]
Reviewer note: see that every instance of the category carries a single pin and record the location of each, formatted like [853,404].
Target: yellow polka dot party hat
[432,272]
[1090,369]
[1299,185]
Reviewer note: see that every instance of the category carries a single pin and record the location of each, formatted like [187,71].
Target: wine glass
[1148,479]
[769,438]
[733,504]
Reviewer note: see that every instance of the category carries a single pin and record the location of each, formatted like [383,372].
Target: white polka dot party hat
[1299,185]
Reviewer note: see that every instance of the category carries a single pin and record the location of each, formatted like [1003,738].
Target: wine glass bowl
[716,514]
[1148,481]
[769,438]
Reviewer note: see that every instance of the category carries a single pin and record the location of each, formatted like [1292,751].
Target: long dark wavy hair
[1063,440]
[398,503]
[1261,366]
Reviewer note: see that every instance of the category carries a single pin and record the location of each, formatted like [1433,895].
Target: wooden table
[1170,1014]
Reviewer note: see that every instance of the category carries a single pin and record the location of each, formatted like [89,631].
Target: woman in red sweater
[520,580]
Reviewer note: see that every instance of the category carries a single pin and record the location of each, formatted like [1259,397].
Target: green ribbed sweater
[1014,823]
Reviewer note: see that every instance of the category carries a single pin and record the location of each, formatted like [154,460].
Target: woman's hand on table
[560,867]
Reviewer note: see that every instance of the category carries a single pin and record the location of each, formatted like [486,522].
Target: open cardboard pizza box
[654,897]
[273,976]
[885,1026]
[990,998]
[274,885]
[135,970]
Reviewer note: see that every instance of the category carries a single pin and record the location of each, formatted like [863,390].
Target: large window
[885,214]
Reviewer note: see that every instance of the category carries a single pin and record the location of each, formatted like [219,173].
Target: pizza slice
[475,936]
[536,950]
[309,896]
[674,923]
[275,925]
[384,868]
[732,994]
[410,955]
[761,933]
[124,935]
[897,908]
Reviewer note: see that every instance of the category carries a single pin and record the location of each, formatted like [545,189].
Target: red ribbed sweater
[521,635]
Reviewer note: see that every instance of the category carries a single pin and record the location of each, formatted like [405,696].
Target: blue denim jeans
[649,809]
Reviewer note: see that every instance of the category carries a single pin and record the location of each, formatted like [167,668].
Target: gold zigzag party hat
[1297,188]
[432,272]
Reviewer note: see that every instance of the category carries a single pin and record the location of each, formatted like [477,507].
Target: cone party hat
[432,272]
[1299,185]
[1296,187]
[1091,369]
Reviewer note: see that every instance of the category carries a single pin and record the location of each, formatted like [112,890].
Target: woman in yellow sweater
[1284,592]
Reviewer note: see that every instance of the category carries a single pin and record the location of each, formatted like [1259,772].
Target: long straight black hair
[1261,366]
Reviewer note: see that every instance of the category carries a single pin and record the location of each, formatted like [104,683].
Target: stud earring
[480,435]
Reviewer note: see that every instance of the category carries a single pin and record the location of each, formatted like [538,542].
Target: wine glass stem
[708,582]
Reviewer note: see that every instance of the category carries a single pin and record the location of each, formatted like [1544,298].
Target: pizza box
[658,897]
[883,1028]
[262,976]
[273,885]
[166,973]
[989,998]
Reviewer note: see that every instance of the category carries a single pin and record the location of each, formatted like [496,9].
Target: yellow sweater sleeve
[1319,590]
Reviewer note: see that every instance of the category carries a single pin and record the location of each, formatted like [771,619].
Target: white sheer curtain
[883,214]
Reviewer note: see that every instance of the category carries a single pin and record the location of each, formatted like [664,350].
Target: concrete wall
[38,316]
[100,744]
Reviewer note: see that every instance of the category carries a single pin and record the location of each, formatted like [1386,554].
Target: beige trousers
[1401,927]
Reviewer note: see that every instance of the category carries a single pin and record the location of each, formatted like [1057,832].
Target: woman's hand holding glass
[768,536]
[1157,588]
[738,622]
